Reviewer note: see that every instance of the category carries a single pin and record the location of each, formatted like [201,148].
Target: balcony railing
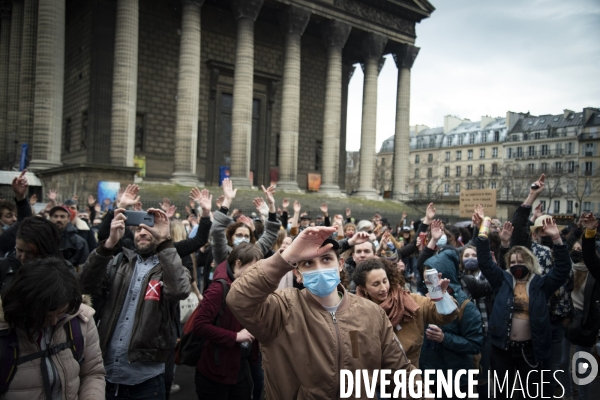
[537,154]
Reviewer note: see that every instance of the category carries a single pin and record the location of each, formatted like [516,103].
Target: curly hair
[231,231]
[42,234]
[362,271]
[42,286]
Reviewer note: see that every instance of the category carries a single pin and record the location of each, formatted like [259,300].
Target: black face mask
[519,271]
[546,241]
[576,256]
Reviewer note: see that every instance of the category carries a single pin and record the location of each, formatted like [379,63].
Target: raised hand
[33,199]
[119,194]
[260,205]
[506,233]
[247,221]
[205,201]
[538,211]
[297,206]
[478,215]
[20,186]
[338,220]
[269,194]
[129,197]
[195,195]
[359,238]
[404,215]
[550,227]
[324,209]
[160,230]
[91,200]
[117,229]
[75,198]
[429,214]
[51,195]
[307,244]
[540,186]
[285,204]
[437,230]
[97,208]
[348,213]
[589,221]
[171,212]
[165,204]
[219,201]
[137,207]
[228,192]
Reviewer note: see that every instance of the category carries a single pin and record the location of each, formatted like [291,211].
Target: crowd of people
[91,301]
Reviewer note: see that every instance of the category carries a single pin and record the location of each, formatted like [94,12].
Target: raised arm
[269,236]
[588,244]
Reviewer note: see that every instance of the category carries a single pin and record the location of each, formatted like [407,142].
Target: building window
[484,138]
[589,149]
[537,135]
[587,206]
[429,172]
[469,186]
[493,185]
[446,172]
[318,155]
[84,129]
[417,159]
[510,153]
[430,158]
[470,170]
[383,162]
[416,190]
[496,136]
[589,167]
[531,169]
[460,140]
[446,189]
[457,188]
[449,141]
[140,132]
[471,138]
[559,149]
[432,142]
[481,153]
[571,166]
[556,206]
[531,151]
[570,148]
[458,155]
[558,167]
[67,136]
[569,206]
[587,190]
[544,167]
[545,151]
[447,156]
[470,155]
[495,152]
[458,171]
[416,173]
[429,189]
[519,152]
[481,185]
[494,169]
[481,170]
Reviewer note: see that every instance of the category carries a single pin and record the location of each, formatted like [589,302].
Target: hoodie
[463,338]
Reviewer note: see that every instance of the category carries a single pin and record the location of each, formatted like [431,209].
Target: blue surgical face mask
[442,241]
[322,281]
[237,241]
[471,264]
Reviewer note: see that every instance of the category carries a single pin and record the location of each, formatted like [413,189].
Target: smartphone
[135,218]
[534,186]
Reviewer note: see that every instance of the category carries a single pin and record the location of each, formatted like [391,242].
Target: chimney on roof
[513,117]
[419,128]
[485,121]
[451,122]
[566,113]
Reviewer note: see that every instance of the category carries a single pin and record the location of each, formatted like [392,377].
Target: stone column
[371,49]
[188,93]
[14,69]
[405,57]
[27,83]
[124,94]
[245,12]
[293,21]
[49,85]
[335,34]
[4,63]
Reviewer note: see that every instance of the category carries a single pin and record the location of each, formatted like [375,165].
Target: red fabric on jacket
[222,336]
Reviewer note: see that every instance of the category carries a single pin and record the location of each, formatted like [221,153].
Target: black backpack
[10,359]
[190,346]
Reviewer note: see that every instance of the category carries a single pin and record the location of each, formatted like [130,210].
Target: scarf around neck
[399,306]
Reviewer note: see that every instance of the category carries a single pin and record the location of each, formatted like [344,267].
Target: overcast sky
[488,57]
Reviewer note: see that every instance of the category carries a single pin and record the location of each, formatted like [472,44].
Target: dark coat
[539,288]
[74,247]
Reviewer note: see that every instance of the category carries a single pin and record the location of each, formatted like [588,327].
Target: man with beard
[140,294]
[74,247]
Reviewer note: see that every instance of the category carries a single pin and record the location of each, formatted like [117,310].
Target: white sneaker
[175,388]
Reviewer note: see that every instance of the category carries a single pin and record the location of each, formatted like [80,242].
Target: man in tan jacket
[309,336]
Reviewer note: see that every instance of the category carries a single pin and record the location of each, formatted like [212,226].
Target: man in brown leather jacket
[136,326]
[308,336]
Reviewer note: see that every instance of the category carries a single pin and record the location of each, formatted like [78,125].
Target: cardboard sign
[314,182]
[470,198]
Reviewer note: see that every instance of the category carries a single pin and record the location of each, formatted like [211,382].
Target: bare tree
[582,185]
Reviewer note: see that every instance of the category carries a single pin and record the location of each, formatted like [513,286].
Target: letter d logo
[588,367]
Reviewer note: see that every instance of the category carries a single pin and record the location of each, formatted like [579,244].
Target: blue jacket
[462,339]
[539,289]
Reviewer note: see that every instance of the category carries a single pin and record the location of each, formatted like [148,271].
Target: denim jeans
[152,389]
[554,362]
[584,391]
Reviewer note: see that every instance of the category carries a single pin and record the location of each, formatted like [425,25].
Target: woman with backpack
[58,355]
[223,370]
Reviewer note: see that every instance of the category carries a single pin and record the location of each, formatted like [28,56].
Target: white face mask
[237,241]
[442,241]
